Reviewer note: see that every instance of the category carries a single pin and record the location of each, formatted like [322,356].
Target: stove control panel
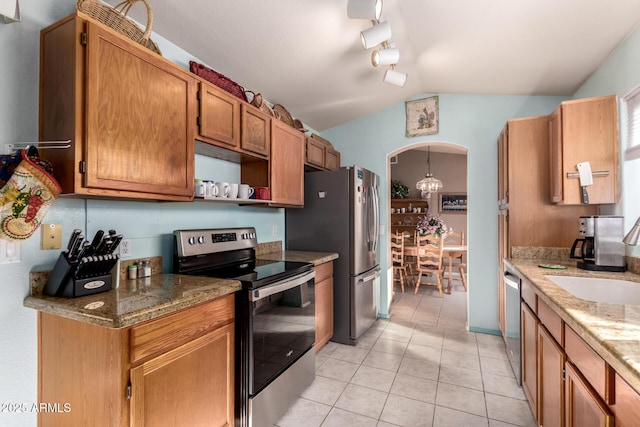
[207,241]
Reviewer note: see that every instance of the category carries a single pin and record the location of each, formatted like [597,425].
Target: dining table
[448,251]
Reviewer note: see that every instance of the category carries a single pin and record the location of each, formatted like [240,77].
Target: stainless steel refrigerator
[341,214]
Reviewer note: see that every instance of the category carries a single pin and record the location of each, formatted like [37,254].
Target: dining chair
[429,259]
[454,238]
[398,261]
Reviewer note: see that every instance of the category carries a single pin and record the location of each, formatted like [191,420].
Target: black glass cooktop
[257,273]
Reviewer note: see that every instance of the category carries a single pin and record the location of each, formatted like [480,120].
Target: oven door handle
[281,286]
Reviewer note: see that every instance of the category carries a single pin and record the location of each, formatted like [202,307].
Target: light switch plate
[51,236]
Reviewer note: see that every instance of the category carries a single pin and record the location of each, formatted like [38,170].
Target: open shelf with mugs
[405,213]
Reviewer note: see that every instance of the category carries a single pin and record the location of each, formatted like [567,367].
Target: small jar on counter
[133,272]
[146,268]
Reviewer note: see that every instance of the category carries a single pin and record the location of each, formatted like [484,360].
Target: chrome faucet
[631,238]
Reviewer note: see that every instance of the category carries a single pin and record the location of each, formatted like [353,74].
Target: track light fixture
[364,9]
[378,35]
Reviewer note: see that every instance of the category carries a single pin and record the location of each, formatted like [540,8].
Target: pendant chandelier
[429,184]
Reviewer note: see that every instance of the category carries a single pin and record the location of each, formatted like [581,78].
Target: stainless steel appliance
[512,323]
[601,247]
[275,318]
[341,214]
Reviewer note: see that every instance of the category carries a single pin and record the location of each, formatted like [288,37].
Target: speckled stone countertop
[316,258]
[134,301]
[612,330]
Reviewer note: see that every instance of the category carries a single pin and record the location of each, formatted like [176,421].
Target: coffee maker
[602,248]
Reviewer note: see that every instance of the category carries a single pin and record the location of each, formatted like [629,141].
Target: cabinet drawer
[324,271]
[166,333]
[528,294]
[551,321]
[599,374]
[627,406]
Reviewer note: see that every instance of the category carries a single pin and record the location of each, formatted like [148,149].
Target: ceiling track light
[385,56]
[364,9]
[378,35]
[394,77]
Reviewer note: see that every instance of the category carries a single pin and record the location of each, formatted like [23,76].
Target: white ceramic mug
[245,192]
[233,191]
[210,189]
[223,189]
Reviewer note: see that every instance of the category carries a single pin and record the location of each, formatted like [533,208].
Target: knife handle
[585,195]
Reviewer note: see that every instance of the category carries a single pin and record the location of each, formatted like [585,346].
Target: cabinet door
[583,406]
[590,133]
[529,336]
[627,404]
[139,133]
[190,385]
[331,159]
[287,165]
[315,153]
[551,360]
[219,120]
[256,131]
[324,304]
[555,155]
[503,167]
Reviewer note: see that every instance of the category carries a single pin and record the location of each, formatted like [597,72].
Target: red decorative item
[218,79]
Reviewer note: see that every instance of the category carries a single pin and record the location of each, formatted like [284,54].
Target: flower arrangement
[432,224]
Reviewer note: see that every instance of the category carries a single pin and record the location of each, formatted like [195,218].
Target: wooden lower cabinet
[551,360]
[584,408]
[172,389]
[627,404]
[529,328]
[324,304]
[174,370]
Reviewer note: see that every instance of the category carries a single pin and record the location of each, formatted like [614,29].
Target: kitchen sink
[611,291]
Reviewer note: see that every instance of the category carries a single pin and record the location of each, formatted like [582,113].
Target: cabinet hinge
[82,166]
[199,96]
[198,121]
[128,392]
[564,376]
[83,39]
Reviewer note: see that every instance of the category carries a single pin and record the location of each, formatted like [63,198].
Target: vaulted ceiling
[307,54]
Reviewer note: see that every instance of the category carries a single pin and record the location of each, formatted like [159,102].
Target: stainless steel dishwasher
[512,323]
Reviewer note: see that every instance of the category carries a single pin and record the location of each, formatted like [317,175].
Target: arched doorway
[407,165]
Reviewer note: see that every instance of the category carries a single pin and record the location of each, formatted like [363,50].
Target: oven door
[282,327]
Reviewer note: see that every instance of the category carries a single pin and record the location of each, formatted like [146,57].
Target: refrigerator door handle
[376,216]
[370,277]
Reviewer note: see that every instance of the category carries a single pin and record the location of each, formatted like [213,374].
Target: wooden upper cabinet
[219,118]
[586,130]
[126,110]
[286,165]
[315,152]
[555,155]
[320,155]
[503,160]
[256,131]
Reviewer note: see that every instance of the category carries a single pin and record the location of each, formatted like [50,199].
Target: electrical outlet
[9,251]
[50,236]
[274,230]
[125,248]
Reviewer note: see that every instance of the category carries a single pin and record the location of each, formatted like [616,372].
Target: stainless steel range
[275,318]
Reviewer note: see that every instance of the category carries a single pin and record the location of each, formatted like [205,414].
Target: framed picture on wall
[422,116]
[452,203]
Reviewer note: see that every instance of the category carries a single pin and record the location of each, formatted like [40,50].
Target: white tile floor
[419,368]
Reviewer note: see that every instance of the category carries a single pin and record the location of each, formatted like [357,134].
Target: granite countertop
[316,258]
[134,301]
[612,330]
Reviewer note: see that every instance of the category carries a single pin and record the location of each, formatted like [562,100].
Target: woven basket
[283,114]
[116,18]
[259,102]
